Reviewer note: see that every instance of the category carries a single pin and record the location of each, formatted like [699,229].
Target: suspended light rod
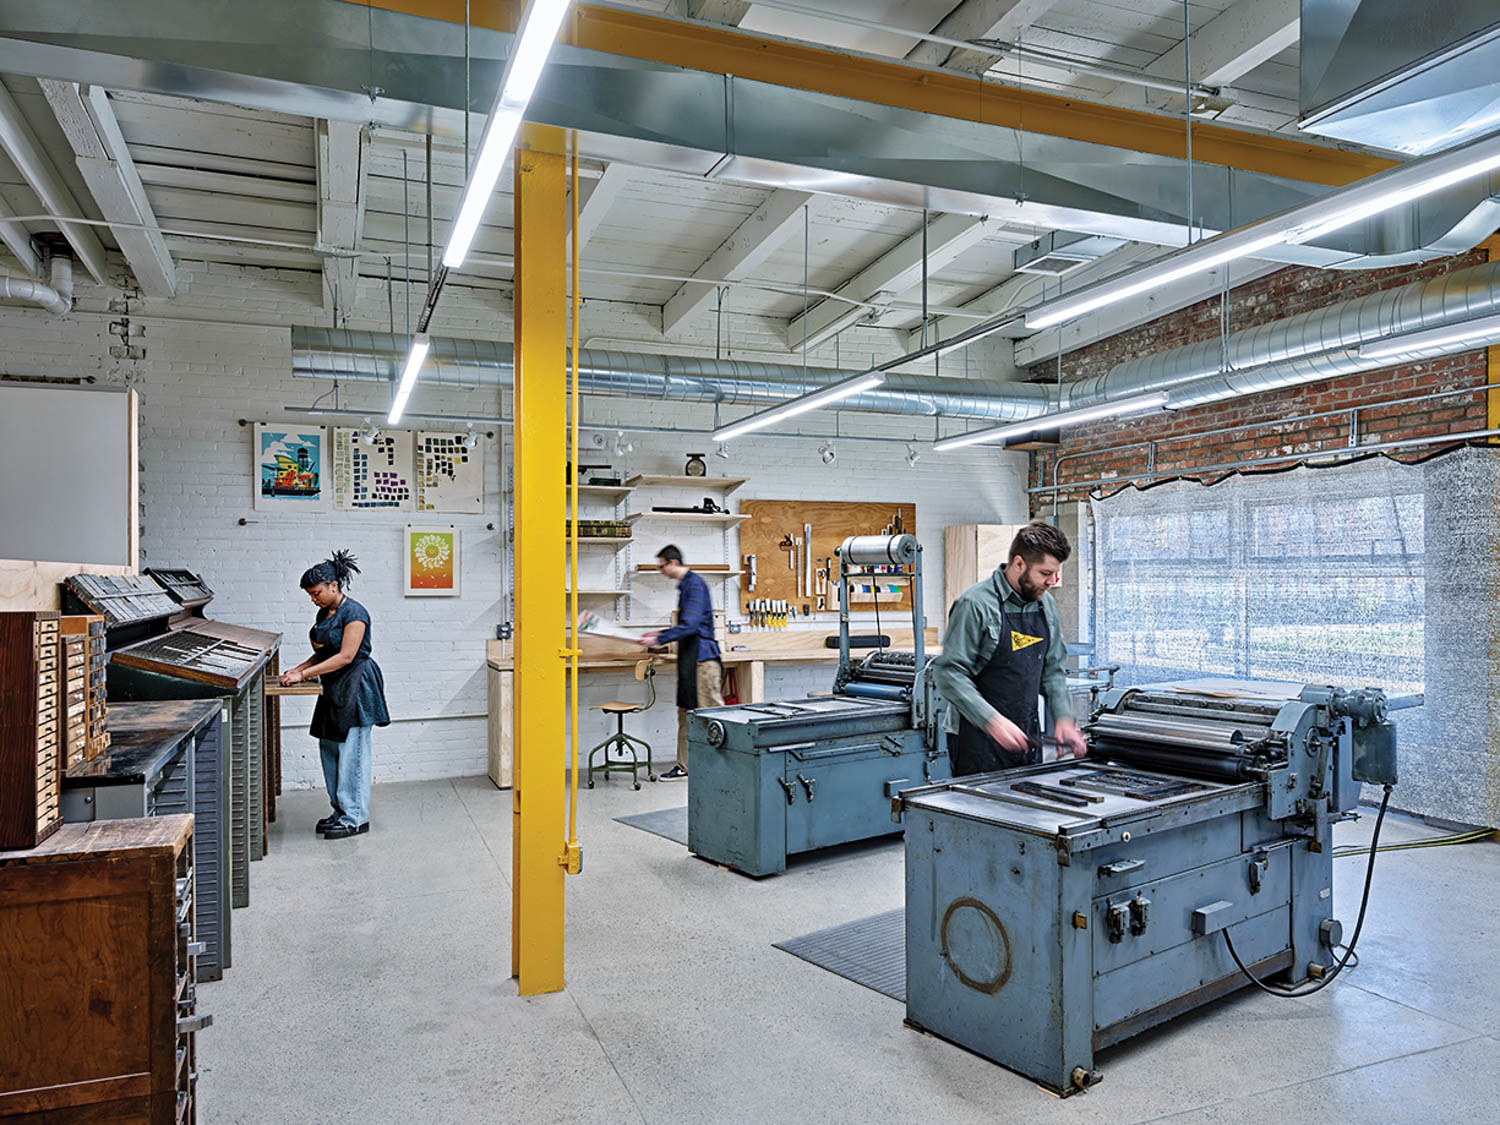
[1449,338]
[824,396]
[532,45]
[1100,410]
[1303,223]
[414,360]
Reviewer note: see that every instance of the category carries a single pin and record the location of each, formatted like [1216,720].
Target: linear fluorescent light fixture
[1449,338]
[824,396]
[529,51]
[414,360]
[1308,221]
[1109,409]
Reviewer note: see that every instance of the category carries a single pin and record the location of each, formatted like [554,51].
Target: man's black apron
[687,672]
[1009,683]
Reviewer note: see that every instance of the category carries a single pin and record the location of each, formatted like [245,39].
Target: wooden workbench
[750,651]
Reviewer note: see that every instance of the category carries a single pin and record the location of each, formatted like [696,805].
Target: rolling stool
[620,742]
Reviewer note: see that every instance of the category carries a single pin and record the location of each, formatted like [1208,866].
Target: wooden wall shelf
[726,484]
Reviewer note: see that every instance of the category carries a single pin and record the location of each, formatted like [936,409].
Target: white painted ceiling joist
[18,241]
[727,12]
[892,274]
[978,19]
[595,199]
[755,240]
[104,161]
[32,161]
[1020,289]
[342,149]
[1229,46]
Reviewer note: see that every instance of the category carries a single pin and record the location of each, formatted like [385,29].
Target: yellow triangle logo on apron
[1018,641]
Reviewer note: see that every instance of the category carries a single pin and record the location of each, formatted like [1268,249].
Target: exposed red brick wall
[1182,443]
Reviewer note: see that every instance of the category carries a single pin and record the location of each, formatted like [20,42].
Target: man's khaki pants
[710,694]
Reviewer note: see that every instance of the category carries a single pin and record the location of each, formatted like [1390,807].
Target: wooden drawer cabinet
[96,967]
[89,628]
[32,742]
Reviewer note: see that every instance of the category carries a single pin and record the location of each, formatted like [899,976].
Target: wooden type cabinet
[31,728]
[96,975]
[89,627]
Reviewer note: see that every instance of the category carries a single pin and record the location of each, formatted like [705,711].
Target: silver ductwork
[1321,344]
[1444,300]
[699,123]
[321,353]
[55,298]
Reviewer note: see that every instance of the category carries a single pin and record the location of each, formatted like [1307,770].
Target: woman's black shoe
[326,823]
[341,831]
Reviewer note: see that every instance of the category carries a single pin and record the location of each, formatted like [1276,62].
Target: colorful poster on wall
[432,562]
[291,467]
[371,475]
[450,477]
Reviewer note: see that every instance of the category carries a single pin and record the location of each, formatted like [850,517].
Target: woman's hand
[288,679]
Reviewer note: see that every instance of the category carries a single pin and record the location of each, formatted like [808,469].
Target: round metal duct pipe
[1313,345]
[1442,301]
[322,353]
[55,298]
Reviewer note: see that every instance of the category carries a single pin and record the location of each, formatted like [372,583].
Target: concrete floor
[370,983]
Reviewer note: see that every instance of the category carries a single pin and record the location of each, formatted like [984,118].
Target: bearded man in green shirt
[1003,648]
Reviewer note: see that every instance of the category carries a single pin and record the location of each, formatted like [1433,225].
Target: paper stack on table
[590,623]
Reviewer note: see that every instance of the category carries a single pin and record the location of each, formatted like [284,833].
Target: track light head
[827,453]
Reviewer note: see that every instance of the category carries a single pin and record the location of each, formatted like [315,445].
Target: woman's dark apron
[1010,683]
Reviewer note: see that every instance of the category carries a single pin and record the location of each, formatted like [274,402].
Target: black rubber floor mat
[869,951]
[671,823]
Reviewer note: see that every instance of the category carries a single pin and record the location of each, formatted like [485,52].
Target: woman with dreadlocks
[353,699]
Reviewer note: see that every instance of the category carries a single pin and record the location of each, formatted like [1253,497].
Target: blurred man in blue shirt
[700,672]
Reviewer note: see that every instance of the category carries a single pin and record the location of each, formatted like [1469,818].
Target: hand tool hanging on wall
[806,573]
[750,572]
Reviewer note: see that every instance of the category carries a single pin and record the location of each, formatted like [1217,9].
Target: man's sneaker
[326,823]
[676,773]
[344,831]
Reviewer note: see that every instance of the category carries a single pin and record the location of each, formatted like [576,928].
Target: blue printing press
[769,780]
[1056,909]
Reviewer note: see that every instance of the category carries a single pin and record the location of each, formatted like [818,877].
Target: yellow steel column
[540,396]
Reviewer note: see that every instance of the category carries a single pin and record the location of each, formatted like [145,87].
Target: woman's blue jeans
[346,770]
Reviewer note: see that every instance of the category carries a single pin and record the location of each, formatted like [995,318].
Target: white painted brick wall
[220,352]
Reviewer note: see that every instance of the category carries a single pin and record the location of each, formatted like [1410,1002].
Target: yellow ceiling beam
[694,46]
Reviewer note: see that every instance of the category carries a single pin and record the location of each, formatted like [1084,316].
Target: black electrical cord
[1353,941]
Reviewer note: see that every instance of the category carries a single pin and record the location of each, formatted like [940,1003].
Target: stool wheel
[637,784]
[651,777]
[591,784]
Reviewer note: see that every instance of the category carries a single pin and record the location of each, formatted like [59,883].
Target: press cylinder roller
[879,550]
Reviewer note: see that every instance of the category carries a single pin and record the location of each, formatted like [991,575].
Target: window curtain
[1374,573]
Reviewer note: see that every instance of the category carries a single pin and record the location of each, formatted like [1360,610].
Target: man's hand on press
[1069,737]
[1006,733]
[649,640]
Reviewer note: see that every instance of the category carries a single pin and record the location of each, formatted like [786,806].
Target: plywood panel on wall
[972,552]
[37,585]
[832,522]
